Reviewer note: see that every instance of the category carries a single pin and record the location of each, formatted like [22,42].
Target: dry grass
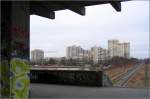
[138,80]
[116,71]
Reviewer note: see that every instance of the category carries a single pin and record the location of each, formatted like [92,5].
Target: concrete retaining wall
[85,78]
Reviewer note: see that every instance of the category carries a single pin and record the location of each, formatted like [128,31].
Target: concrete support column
[15,49]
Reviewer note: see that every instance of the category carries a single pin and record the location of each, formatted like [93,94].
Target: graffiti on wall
[86,78]
[19,43]
[14,64]
[19,78]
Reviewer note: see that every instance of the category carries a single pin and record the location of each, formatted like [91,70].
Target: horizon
[81,47]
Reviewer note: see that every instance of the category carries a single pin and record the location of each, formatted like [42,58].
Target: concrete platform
[76,92]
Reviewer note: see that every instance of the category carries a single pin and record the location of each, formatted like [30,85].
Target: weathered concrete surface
[77,92]
[68,77]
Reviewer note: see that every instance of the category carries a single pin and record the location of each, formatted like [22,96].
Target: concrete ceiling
[47,8]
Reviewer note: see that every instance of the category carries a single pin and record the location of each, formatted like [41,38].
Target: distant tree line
[120,61]
[83,62]
[75,62]
[147,61]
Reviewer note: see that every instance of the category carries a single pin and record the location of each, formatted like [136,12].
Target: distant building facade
[77,52]
[37,55]
[127,50]
[86,54]
[113,48]
[118,49]
[74,52]
[98,54]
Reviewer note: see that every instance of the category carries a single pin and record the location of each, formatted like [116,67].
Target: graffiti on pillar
[15,40]
[20,44]
[14,67]
[19,67]
[19,79]
[15,80]
[4,78]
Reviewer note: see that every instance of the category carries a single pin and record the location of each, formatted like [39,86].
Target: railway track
[124,78]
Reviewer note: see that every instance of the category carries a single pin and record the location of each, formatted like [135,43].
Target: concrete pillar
[15,48]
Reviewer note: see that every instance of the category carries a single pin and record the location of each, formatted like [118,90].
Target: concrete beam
[78,10]
[116,5]
[64,5]
[41,11]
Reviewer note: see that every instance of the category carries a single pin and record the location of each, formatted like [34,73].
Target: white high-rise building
[37,55]
[127,50]
[113,48]
[86,54]
[118,49]
[94,54]
[99,54]
[74,52]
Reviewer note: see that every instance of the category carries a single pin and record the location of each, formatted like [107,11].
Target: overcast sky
[101,23]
